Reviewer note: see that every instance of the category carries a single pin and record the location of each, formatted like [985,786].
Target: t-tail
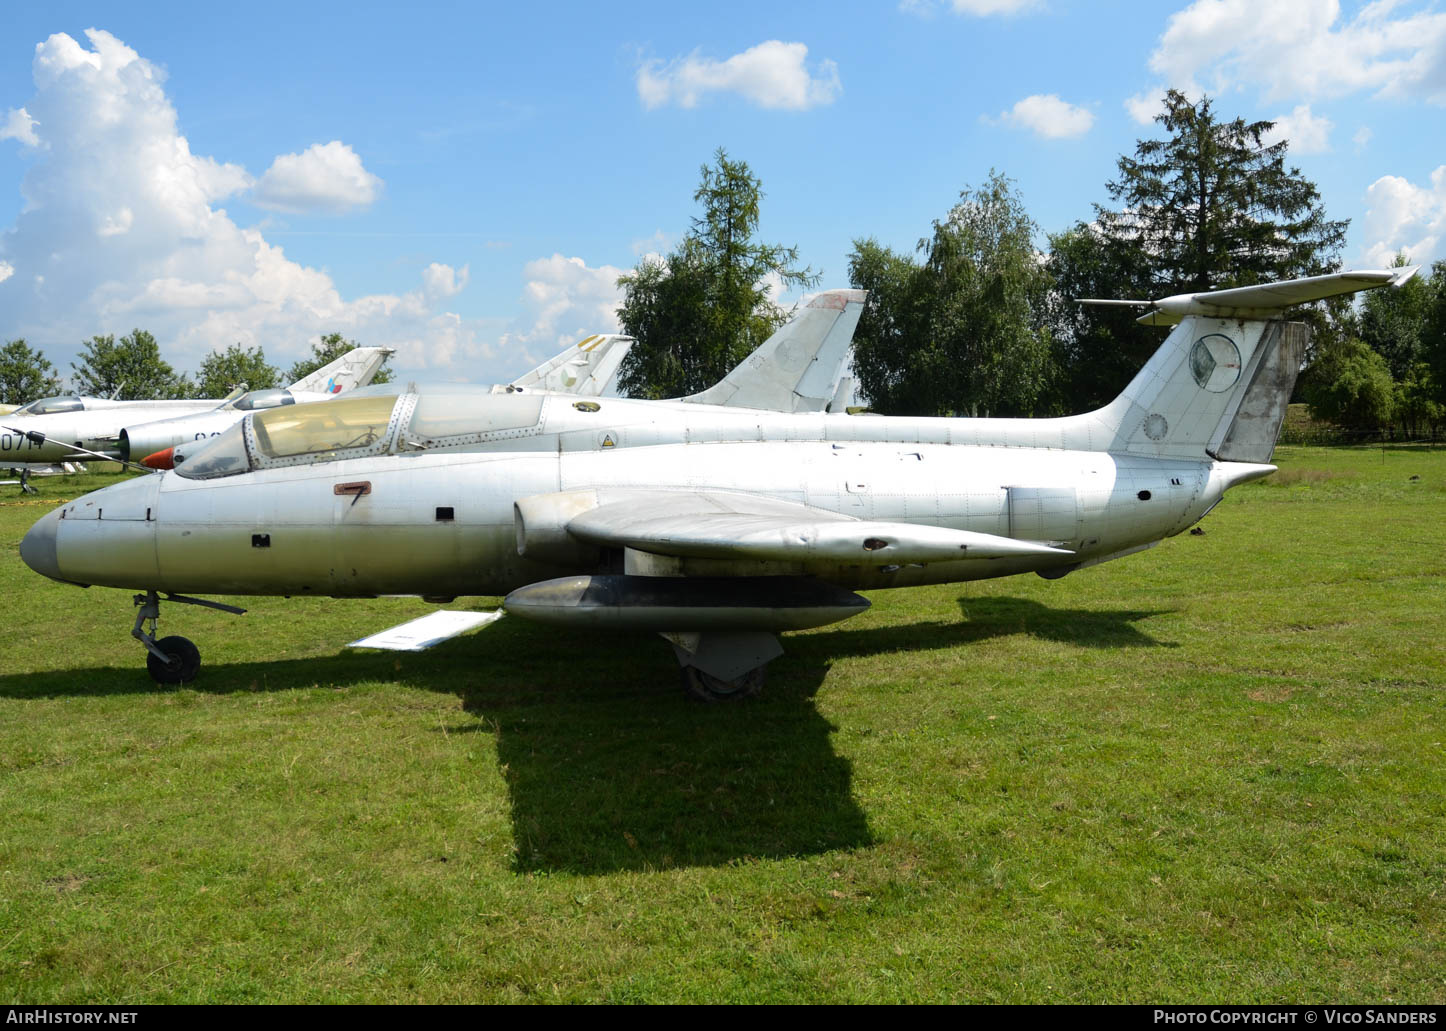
[798,368]
[1220,383]
[353,369]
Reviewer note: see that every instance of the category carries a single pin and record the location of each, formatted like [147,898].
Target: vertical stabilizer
[1219,384]
[588,368]
[1185,402]
[353,369]
[797,369]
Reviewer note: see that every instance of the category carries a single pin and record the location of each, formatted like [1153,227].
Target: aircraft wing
[716,524]
[588,368]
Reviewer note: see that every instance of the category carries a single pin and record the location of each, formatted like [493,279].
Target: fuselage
[443,524]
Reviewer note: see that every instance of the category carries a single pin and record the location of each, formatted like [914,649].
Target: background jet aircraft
[714,526]
[802,367]
[799,368]
[43,431]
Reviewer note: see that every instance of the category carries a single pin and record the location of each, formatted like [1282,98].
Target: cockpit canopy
[358,426]
[52,406]
[256,400]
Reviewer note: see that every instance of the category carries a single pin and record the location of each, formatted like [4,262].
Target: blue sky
[465,182]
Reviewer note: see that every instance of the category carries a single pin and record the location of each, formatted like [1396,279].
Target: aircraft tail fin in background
[353,369]
[588,368]
[1220,383]
[798,368]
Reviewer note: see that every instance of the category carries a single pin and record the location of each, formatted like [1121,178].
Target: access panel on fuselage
[1044,513]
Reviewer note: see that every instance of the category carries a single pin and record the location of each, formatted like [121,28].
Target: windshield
[51,406]
[224,455]
[292,434]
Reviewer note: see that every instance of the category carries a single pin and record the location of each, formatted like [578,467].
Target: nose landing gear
[172,660]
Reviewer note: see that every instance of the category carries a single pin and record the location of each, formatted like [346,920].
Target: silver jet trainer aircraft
[67,429]
[712,525]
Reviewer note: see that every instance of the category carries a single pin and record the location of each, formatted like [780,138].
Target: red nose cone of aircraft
[161,459]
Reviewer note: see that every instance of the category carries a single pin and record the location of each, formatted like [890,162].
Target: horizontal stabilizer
[420,634]
[1264,300]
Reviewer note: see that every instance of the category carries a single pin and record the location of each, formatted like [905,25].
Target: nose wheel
[171,660]
[182,662]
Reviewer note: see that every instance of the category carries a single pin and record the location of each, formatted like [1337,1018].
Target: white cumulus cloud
[19,126]
[1304,49]
[441,281]
[1048,116]
[563,301]
[652,246]
[118,229]
[325,177]
[1402,216]
[1307,133]
[772,74]
[1145,105]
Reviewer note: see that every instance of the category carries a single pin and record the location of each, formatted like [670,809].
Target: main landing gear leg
[724,667]
[172,660]
[25,482]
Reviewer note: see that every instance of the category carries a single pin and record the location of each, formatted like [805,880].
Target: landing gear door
[1044,514]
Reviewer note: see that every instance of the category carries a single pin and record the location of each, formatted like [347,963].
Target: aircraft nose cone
[37,547]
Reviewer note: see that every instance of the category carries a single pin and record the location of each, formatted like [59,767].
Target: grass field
[1212,772]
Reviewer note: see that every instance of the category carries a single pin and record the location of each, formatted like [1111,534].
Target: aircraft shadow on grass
[608,766]
[1090,628]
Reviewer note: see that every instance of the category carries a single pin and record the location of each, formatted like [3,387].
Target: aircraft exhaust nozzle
[161,459]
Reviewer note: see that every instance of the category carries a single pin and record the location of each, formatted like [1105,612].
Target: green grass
[1214,771]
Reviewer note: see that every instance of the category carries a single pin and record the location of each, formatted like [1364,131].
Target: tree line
[978,320]
[131,368]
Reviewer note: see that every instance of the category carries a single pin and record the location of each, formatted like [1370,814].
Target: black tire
[184,665]
[707,688]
